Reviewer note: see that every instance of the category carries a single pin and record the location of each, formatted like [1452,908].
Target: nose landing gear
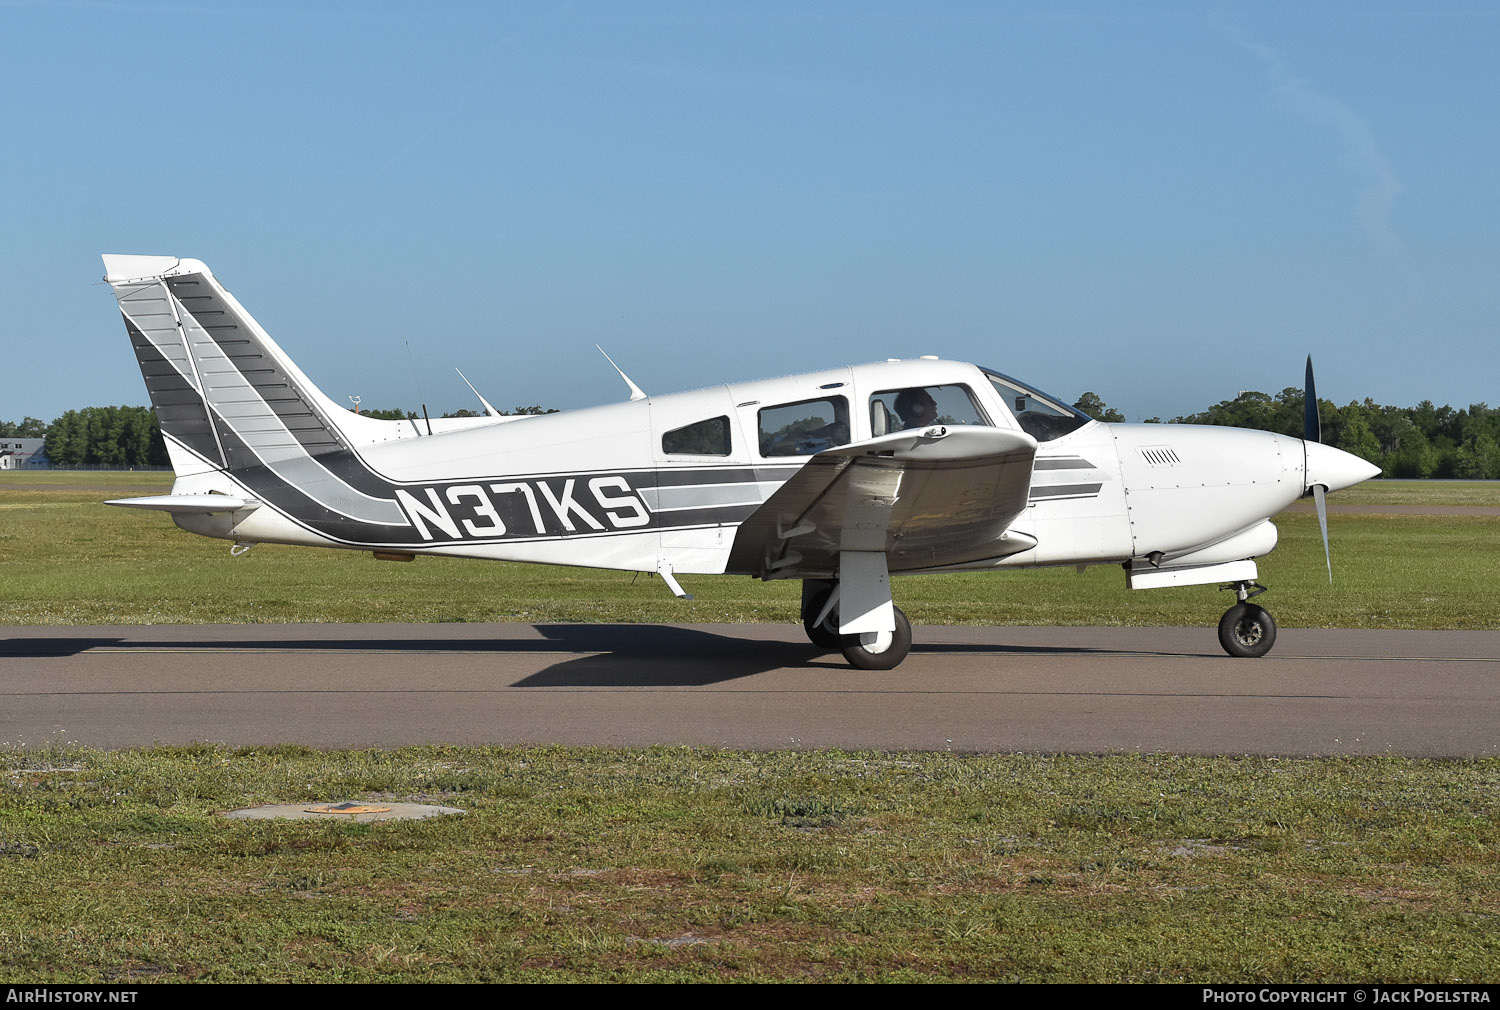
[1246,631]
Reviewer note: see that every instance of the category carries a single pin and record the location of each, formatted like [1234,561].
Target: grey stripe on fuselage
[691,496]
[482,501]
[1050,471]
[673,476]
[1066,491]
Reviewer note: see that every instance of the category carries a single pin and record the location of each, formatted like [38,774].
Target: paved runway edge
[1086,690]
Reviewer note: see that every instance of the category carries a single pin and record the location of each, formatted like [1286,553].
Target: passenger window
[920,406]
[801,429]
[705,438]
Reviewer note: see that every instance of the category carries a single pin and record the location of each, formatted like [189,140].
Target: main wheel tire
[886,651]
[1247,631]
[825,635]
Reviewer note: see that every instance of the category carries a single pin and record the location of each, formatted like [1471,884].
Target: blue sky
[1165,203]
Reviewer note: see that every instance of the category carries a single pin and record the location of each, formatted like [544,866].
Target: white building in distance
[17,453]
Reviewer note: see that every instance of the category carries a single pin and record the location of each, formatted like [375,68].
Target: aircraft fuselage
[1101,493]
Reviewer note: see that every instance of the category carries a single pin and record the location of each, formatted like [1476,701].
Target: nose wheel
[1247,631]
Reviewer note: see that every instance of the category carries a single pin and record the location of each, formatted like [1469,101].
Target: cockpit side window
[805,427]
[1042,417]
[706,438]
[920,406]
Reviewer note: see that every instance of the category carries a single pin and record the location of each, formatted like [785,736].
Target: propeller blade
[1321,501]
[1312,431]
[1312,424]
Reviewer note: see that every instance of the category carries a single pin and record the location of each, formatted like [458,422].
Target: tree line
[106,436]
[31,427]
[131,436]
[1420,441]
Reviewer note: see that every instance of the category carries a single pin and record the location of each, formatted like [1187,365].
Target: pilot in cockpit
[916,408]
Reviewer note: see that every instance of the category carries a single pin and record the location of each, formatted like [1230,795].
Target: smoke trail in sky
[1378,195]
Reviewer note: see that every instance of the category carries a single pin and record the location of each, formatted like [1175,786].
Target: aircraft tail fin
[225,394]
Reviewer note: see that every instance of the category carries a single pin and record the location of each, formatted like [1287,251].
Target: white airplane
[839,478]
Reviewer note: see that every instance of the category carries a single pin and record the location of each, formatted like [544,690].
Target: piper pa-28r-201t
[840,478]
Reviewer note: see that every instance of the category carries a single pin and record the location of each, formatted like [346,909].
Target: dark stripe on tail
[179,407]
[239,343]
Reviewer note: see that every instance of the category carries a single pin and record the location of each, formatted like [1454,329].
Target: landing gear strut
[1246,631]
[882,650]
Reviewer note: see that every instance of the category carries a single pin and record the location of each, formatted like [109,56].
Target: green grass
[674,864]
[1421,492]
[77,479]
[66,559]
[677,865]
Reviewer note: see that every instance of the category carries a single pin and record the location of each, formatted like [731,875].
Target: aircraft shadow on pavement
[650,655]
[632,655]
[656,656]
[616,655]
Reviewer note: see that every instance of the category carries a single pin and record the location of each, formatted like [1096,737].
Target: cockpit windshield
[1041,416]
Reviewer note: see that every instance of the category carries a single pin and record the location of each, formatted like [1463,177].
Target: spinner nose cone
[1336,469]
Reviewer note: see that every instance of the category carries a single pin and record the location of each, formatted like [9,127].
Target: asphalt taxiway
[1320,692]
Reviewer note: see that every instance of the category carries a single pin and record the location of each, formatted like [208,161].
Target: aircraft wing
[945,495]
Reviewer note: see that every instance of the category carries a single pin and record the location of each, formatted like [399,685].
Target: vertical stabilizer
[226,395]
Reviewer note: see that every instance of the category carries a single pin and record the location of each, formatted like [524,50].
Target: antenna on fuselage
[636,393]
[489,408]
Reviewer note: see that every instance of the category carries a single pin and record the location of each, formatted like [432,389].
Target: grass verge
[675,864]
[65,559]
[1421,492]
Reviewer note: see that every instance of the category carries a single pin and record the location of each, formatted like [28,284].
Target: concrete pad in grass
[341,811]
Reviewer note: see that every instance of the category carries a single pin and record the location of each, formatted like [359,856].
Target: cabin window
[803,428]
[921,406]
[1041,416]
[705,438]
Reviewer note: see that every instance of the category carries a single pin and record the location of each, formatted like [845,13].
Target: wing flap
[940,496]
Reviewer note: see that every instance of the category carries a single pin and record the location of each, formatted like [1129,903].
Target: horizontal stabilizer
[188,504]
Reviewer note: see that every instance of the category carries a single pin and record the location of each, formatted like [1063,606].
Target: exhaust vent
[1160,455]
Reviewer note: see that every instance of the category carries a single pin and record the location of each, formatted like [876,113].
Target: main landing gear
[1246,631]
[874,650]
